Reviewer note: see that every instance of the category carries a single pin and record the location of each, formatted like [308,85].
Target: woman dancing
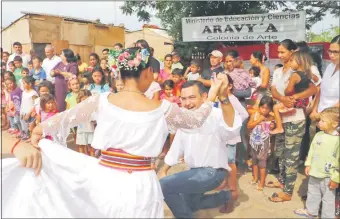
[131,129]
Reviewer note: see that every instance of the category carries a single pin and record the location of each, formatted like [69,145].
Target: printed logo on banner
[249,27]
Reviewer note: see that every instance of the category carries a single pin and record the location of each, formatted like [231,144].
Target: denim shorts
[231,153]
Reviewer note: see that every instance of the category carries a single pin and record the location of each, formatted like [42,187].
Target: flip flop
[259,188]
[252,183]
[272,184]
[276,198]
[302,212]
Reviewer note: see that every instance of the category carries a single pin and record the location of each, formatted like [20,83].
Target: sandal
[279,197]
[272,184]
[303,213]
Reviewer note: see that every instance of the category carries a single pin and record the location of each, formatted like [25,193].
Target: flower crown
[128,61]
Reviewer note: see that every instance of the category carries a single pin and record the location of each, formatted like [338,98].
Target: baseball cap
[216,53]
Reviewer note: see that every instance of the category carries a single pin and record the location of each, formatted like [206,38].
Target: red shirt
[178,87]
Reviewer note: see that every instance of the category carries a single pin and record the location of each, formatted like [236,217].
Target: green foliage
[325,36]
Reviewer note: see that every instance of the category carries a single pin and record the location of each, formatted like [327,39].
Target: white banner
[249,27]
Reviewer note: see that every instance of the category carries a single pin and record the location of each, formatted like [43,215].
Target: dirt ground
[251,203]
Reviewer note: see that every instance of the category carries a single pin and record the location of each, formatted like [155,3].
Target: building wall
[18,32]
[155,40]
[44,29]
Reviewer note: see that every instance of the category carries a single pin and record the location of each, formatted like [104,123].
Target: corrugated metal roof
[65,17]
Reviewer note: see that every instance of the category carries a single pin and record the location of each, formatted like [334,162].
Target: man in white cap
[215,67]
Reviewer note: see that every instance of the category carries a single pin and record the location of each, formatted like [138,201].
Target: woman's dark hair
[99,69]
[266,100]
[169,83]
[256,71]
[69,55]
[302,46]
[233,53]
[259,56]
[336,40]
[45,99]
[168,56]
[231,81]
[143,43]
[78,57]
[125,73]
[288,44]
[83,93]
[29,80]
[95,55]
[279,65]
[47,84]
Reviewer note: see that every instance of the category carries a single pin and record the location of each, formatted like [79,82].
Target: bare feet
[276,131]
[229,206]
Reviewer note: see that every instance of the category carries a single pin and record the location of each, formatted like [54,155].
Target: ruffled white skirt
[75,185]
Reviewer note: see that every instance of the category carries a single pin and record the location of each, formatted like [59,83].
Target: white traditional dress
[72,184]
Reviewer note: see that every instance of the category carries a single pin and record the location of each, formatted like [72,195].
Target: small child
[27,104]
[18,68]
[71,98]
[24,73]
[168,92]
[14,104]
[45,87]
[98,84]
[85,80]
[11,66]
[176,58]
[177,77]
[299,81]
[30,65]
[192,73]
[254,73]
[85,131]
[260,122]
[322,167]
[4,103]
[48,108]
[38,72]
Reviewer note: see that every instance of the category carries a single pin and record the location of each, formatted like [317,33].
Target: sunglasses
[333,52]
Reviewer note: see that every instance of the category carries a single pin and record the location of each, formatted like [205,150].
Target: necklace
[133,91]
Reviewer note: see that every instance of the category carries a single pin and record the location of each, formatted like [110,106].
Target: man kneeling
[204,152]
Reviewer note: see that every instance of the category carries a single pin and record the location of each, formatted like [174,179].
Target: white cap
[216,53]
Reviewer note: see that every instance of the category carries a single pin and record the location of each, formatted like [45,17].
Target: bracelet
[225,101]
[15,145]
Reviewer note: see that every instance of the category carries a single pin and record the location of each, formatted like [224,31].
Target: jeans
[15,122]
[184,192]
[24,124]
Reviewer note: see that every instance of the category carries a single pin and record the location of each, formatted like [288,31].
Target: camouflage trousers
[287,150]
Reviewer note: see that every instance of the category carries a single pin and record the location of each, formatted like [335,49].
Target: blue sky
[107,12]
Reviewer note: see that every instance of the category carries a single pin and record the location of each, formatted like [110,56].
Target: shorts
[84,138]
[261,162]
[231,153]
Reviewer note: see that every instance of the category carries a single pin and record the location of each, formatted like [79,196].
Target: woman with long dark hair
[62,72]
[131,129]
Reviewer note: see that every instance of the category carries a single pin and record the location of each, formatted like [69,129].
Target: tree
[325,36]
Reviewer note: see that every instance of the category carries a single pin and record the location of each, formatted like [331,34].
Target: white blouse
[329,89]
[138,133]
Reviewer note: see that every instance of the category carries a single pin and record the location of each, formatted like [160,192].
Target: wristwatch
[225,101]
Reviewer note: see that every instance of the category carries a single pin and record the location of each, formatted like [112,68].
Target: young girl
[168,92]
[27,104]
[260,123]
[4,103]
[322,167]
[192,72]
[48,108]
[71,98]
[254,73]
[14,104]
[85,131]
[98,84]
[45,87]
[299,81]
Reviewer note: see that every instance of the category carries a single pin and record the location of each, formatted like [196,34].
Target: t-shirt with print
[38,75]
[71,100]
[17,74]
[16,96]
[193,76]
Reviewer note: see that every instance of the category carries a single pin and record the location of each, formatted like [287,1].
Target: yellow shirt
[82,67]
